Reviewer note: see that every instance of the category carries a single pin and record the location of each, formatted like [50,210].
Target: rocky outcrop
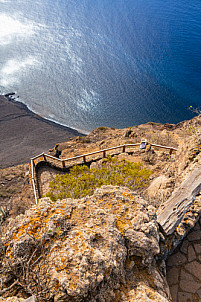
[16,299]
[98,248]
[159,190]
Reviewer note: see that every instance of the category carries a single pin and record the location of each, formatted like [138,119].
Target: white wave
[10,71]
[11,28]
[89,99]
[76,60]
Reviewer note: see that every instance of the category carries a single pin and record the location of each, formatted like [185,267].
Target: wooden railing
[62,162]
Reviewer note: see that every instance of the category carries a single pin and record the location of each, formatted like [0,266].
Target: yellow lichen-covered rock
[17,299]
[11,299]
[90,249]
[145,294]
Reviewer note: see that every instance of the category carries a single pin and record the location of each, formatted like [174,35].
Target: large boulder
[159,190]
[98,248]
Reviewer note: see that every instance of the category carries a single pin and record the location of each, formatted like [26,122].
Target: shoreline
[24,134]
[11,97]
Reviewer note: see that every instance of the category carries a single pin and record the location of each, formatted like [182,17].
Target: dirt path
[45,175]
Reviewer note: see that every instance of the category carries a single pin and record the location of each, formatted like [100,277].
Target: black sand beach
[24,134]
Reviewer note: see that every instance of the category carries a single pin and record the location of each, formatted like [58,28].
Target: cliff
[106,247]
[98,248]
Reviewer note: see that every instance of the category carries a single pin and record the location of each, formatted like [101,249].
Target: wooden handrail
[163,147]
[33,181]
[103,151]
[47,155]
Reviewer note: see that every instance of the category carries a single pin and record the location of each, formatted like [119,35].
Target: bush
[82,181]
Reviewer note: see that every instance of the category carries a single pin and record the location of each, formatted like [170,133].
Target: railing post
[35,160]
[33,181]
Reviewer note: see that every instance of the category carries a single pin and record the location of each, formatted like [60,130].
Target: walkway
[45,175]
[64,164]
[184,268]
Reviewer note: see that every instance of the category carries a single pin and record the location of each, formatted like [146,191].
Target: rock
[173,276]
[194,268]
[194,235]
[191,253]
[9,94]
[185,297]
[174,292]
[184,247]
[187,282]
[145,295]
[176,259]
[11,299]
[197,227]
[30,299]
[16,299]
[23,247]
[189,286]
[169,126]
[160,189]
[197,247]
[199,293]
[84,249]
[128,133]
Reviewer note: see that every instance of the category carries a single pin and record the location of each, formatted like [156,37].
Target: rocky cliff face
[98,248]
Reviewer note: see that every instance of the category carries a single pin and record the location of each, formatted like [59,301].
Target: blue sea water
[117,63]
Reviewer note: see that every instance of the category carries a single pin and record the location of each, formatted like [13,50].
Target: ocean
[114,63]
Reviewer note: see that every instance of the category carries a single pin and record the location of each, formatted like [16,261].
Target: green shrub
[82,181]
[84,139]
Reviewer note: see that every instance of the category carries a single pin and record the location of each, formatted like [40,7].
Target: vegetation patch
[82,181]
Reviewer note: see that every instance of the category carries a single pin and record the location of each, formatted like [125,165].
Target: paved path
[184,268]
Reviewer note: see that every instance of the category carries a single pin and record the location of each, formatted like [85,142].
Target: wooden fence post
[124,148]
[171,150]
[44,157]
[104,153]
[63,163]
[84,158]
